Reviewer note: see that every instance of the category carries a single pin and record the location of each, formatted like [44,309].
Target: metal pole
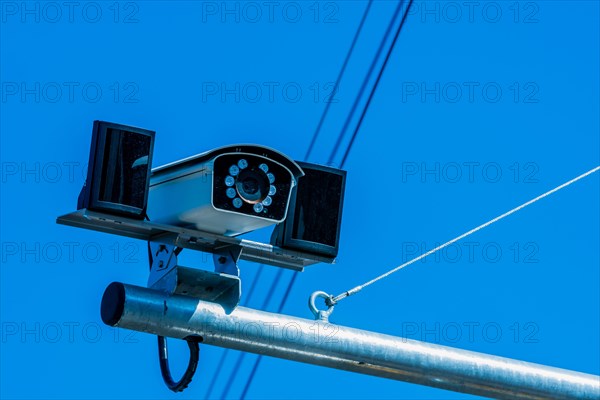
[321,343]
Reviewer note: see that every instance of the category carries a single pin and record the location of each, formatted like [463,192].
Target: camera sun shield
[119,170]
[314,220]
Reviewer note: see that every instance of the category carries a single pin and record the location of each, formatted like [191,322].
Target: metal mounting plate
[190,239]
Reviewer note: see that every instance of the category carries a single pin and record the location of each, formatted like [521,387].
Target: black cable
[308,153]
[338,80]
[241,357]
[221,363]
[259,358]
[164,365]
[387,57]
[367,79]
[293,280]
[163,353]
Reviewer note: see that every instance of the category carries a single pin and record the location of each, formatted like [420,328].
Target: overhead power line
[221,363]
[347,122]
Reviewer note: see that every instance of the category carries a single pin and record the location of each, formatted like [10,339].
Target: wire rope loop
[322,315]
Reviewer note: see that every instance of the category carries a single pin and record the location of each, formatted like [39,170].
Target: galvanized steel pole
[321,343]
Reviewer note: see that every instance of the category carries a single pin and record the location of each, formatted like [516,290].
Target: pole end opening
[113,304]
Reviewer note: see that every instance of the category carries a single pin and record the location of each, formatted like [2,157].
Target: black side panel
[119,170]
[315,214]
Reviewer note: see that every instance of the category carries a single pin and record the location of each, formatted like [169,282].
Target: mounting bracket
[222,286]
[193,239]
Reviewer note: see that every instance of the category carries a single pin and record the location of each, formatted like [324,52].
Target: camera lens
[252,185]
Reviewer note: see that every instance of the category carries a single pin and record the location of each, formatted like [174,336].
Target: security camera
[228,191]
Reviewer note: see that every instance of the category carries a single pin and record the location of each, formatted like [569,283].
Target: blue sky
[481,108]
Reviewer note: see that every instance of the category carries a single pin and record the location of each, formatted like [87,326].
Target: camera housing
[229,191]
